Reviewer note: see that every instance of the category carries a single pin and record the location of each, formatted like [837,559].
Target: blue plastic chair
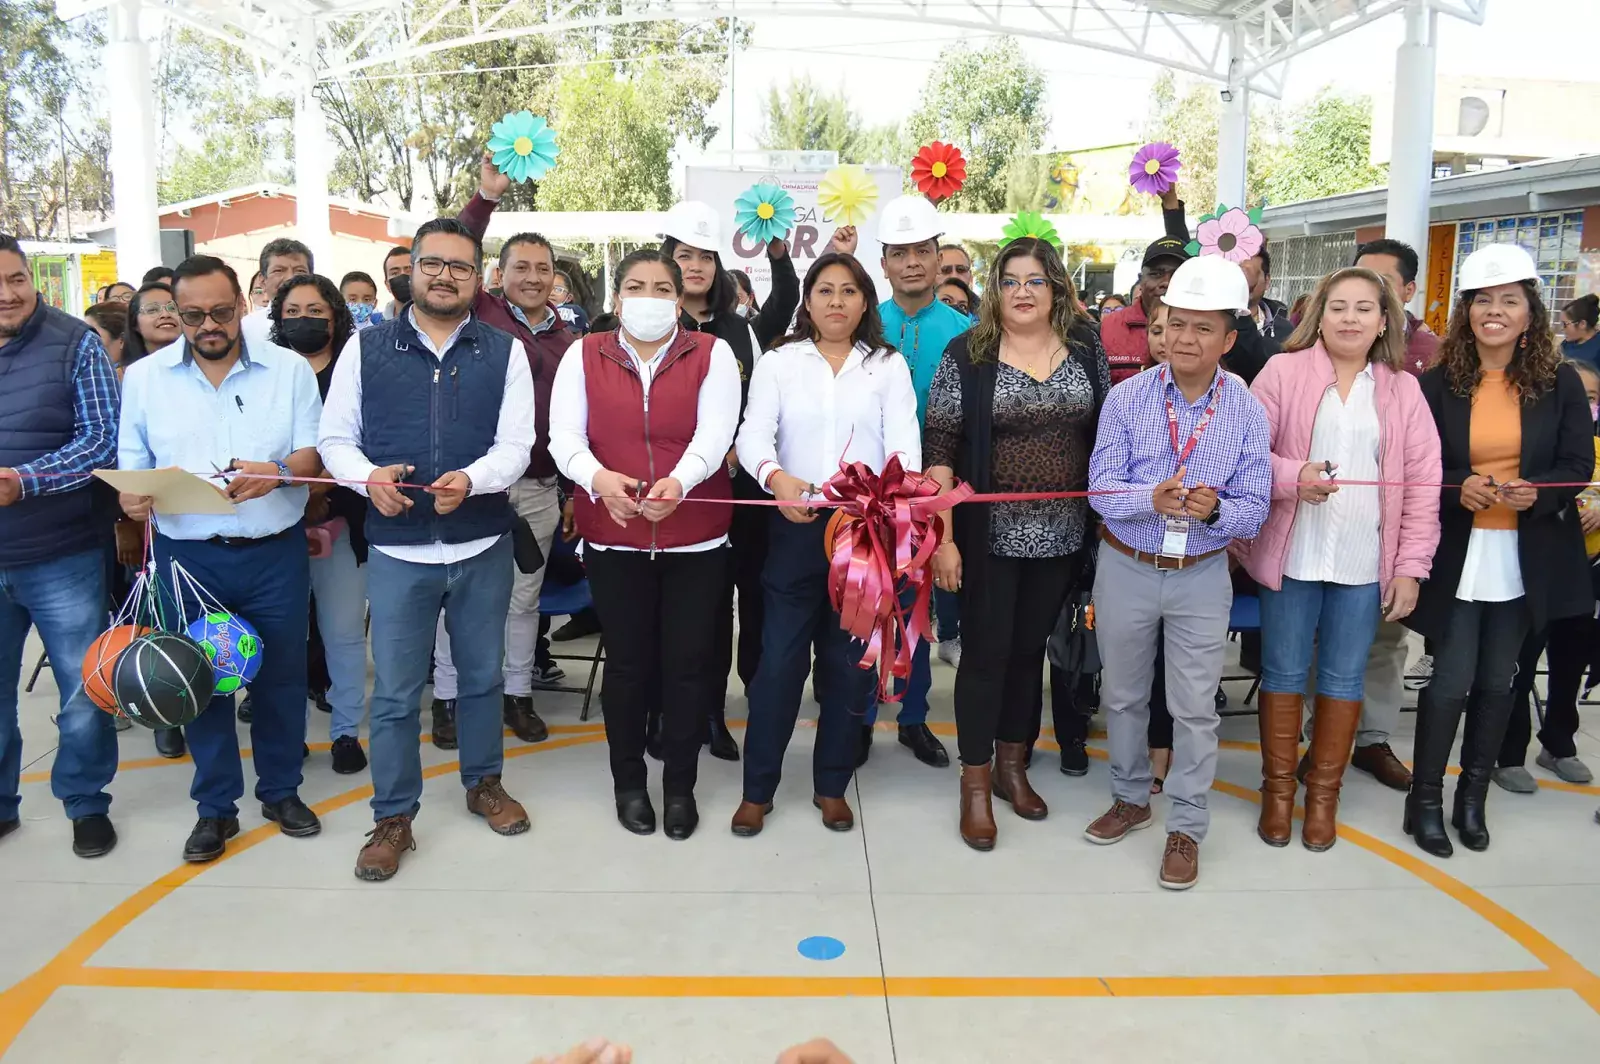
[1245,617]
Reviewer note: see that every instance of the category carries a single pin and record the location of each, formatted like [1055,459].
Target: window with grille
[1299,262]
[1552,239]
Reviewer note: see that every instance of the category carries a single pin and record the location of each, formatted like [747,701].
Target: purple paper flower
[1231,235]
[1154,168]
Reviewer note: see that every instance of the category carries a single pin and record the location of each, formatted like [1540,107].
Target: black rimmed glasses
[220,315]
[434,267]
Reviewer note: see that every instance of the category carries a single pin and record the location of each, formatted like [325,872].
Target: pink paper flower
[1154,168]
[1231,235]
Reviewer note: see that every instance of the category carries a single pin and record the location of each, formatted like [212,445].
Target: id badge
[1175,541]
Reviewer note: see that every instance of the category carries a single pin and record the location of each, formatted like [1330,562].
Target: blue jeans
[914,694]
[406,599]
[1339,620]
[268,583]
[66,599]
[339,589]
[947,611]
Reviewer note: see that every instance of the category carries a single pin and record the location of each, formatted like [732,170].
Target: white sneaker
[1421,674]
[950,652]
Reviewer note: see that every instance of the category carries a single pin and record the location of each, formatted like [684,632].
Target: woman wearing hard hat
[833,392]
[1013,408]
[1510,418]
[692,236]
[1331,562]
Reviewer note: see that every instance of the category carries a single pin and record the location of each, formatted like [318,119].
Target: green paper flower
[1031,224]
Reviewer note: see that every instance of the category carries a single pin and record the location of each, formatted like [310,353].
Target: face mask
[361,312]
[400,288]
[649,319]
[1594,411]
[305,335]
[744,310]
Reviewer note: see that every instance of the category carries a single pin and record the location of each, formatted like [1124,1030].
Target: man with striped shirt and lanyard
[1183,455]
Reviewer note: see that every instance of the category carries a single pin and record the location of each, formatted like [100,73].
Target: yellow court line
[159,762]
[674,986]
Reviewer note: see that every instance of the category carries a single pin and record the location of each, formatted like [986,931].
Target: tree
[616,144]
[804,117]
[1329,151]
[989,103]
[1191,120]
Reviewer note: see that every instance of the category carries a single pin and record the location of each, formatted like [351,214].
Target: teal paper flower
[764,213]
[524,146]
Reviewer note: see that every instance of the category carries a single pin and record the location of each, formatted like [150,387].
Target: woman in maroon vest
[641,419]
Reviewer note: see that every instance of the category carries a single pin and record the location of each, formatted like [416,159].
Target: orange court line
[672,986]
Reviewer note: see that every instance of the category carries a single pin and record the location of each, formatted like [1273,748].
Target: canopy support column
[133,144]
[1411,149]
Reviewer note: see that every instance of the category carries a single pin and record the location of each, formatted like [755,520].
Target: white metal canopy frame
[1243,45]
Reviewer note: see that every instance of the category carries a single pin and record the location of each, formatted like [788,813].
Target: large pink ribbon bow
[887,532]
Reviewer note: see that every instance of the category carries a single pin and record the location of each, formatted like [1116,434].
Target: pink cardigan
[1291,387]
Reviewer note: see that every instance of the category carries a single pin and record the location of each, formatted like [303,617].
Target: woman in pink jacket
[1329,558]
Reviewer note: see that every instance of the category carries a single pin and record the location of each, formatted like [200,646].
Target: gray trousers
[1382,691]
[1133,604]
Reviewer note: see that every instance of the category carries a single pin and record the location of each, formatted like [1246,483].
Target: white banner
[720,186]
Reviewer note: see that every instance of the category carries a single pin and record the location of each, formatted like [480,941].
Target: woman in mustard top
[1511,417]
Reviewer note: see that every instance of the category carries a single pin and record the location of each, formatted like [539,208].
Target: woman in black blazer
[1510,417]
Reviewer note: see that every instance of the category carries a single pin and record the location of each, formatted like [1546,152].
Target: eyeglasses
[1033,284]
[459,271]
[220,315]
[150,310]
[558,290]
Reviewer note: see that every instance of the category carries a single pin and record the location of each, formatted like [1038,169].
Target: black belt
[250,541]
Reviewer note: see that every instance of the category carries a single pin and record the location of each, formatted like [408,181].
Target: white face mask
[648,319]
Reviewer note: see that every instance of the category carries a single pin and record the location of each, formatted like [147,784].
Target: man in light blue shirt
[252,408]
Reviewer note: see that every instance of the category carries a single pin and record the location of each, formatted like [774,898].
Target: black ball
[163,680]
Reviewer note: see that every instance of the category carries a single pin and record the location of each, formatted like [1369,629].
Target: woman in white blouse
[833,392]
[1330,558]
[641,419]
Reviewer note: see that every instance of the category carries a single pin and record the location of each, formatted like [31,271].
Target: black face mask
[400,287]
[305,335]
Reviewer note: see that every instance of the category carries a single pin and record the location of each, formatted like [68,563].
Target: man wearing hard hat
[1183,456]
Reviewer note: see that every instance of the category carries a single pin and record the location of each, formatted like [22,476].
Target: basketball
[231,645]
[163,680]
[101,660]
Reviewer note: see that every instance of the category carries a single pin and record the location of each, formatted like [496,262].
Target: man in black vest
[58,423]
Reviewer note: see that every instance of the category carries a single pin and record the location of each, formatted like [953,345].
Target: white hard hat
[1209,282]
[908,220]
[1495,264]
[695,224]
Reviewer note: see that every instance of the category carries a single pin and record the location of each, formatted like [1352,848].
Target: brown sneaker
[380,857]
[503,812]
[1378,760]
[1116,822]
[1180,865]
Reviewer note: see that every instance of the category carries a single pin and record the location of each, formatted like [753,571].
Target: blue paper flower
[524,146]
[764,213]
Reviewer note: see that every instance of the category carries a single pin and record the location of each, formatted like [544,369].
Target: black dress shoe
[444,723]
[635,813]
[93,835]
[724,746]
[8,826]
[584,622]
[517,711]
[348,757]
[209,839]
[1074,758]
[865,750]
[919,738]
[170,744]
[320,700]
[293,817]
[246,709]
[680,818]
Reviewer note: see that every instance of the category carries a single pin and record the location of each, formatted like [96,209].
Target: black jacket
[1557,447]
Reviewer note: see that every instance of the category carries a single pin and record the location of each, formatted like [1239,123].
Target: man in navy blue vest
[216,400]
[58,423]
[439,399]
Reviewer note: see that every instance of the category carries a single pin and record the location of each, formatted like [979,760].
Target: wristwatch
[1215,514]
[284,475]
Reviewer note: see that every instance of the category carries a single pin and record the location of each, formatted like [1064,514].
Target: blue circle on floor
[821,948]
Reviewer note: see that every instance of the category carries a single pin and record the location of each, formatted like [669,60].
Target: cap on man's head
[1168,247]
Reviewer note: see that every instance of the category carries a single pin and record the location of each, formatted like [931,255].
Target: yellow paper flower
[847,195]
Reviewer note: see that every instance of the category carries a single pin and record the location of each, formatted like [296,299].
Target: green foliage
[989,102]
[616,144]
[804,117]
[1190,120]
[1329,151]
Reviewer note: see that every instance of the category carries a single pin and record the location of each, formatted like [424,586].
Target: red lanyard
[1200,426]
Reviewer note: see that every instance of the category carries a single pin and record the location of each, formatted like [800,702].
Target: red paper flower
[939,170]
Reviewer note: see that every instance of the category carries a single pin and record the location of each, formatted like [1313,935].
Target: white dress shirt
[1337,541]
[496,471]
[716,418]
[256,327]
[803,418]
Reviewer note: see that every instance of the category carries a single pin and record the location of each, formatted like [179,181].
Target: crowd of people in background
[424,461]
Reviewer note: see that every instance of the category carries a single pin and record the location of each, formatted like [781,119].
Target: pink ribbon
[891,529]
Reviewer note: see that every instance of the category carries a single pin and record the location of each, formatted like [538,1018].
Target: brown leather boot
[1333,731]
[505,814]
[1010,781]
[750,818]
[1279,718]
[380,857]
[836,814]
[977,812]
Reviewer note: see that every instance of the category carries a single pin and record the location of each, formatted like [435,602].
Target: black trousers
[659,616]
[1477,655]
[798,613]
[748,536]
[1006,619]
[1569,642]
